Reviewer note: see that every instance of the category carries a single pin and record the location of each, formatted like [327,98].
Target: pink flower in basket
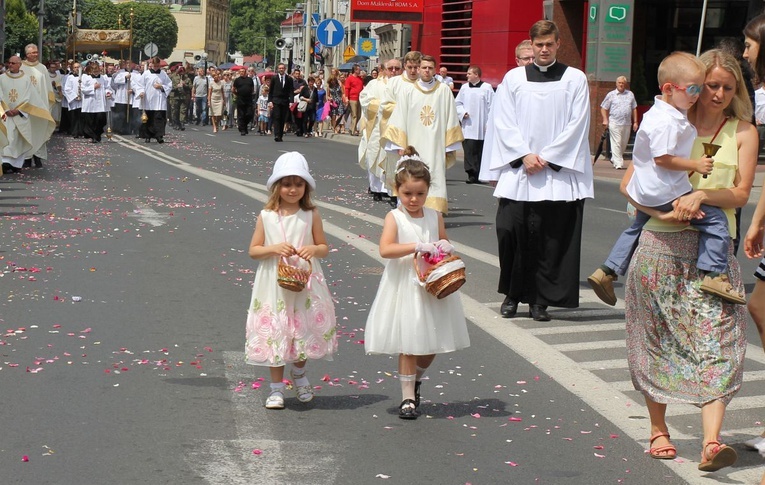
[434,258]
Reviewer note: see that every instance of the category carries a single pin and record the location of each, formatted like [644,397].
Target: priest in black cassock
[537,151]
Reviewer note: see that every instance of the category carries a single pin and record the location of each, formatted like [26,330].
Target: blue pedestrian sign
[314,20]
[330,32]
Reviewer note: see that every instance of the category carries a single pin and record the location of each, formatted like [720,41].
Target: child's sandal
[407,409]
[303,393]
[721,456]
[275,400]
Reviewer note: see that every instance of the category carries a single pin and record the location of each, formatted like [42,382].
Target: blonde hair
[740,106]
[525,44]
[679,65]
[275,197]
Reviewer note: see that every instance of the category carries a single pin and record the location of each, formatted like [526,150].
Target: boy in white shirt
[662,146]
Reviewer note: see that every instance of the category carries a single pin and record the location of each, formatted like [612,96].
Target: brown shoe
[720,286]
[603,285]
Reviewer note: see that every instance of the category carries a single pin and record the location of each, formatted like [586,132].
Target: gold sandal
[303,393]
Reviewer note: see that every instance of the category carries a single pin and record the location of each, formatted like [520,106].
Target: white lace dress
[405,318]
[285,326]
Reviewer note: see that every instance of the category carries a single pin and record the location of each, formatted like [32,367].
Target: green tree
[57,13]
[253,20]
[21,27]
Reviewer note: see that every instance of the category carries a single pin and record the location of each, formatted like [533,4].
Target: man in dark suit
[280,96]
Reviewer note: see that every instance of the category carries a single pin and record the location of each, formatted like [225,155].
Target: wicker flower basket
[443,278]
[293,277]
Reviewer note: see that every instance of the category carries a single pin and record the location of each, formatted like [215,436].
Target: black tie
[281,79]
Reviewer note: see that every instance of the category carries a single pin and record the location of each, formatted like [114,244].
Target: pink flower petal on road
[515,419]
[476,415]
[25,458]
[380,475]
[511,463]
[256,451]
[599,456]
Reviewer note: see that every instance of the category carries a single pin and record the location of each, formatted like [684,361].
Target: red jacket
[353,86]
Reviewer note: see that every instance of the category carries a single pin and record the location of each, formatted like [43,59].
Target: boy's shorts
[263,119]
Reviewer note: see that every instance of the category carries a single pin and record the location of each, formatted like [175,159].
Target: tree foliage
[57,13]
[152,22]
[251,20]
[21,27]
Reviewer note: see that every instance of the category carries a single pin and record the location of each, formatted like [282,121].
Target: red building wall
[490,31]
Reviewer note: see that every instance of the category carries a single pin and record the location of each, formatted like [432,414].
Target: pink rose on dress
[322,317]
[263,321]
[298,326]
[258,350]
[315,347]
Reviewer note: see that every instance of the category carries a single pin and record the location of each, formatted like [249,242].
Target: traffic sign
[330,32]
[150,49]
[367,47]
[349,52]
[315,19]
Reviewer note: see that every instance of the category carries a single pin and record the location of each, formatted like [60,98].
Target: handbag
[302,106]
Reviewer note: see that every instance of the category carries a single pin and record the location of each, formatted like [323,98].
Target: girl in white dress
[283,326]
[405,319]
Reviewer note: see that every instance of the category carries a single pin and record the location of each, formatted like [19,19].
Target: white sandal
[275,400]
[304,393]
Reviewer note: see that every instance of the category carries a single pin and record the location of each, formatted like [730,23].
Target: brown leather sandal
[720,457]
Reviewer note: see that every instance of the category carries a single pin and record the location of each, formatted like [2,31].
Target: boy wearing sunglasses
[661,164]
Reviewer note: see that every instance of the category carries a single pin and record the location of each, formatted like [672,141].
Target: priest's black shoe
[509,308]
[37,160]
[539,313]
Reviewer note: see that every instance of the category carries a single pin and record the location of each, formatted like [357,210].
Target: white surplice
[95,99]
[558,134]
[157,87]
[476,102]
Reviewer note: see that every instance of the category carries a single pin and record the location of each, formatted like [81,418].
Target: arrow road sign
[330,32]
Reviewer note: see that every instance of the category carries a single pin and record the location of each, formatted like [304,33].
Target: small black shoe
[377,196]
[182,128]
[407,409]
[417,385]
[38,161]
[160,140]
[509,308]
[472,179]
[393,201]
[27,163]
[539,313]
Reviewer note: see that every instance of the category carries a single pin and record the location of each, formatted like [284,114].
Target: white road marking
[625,413]
[146,214]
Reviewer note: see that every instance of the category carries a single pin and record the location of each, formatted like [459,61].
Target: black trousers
[279,115]
[75,122]
[119,119]
[473,150]
[93,126]
[63,126]
[155,127]
[539,251]
[244,113]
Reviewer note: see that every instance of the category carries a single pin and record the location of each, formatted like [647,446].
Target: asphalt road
[125,280]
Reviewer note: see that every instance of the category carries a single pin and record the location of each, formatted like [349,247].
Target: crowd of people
[529,138]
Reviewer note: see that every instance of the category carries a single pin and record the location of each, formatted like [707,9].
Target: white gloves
[444,246]
[425,248]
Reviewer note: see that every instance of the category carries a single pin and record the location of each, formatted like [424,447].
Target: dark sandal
[417,393]
[407,409]
[722,456]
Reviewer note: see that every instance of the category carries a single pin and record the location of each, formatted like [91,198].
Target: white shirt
[759,106]
[665,130]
